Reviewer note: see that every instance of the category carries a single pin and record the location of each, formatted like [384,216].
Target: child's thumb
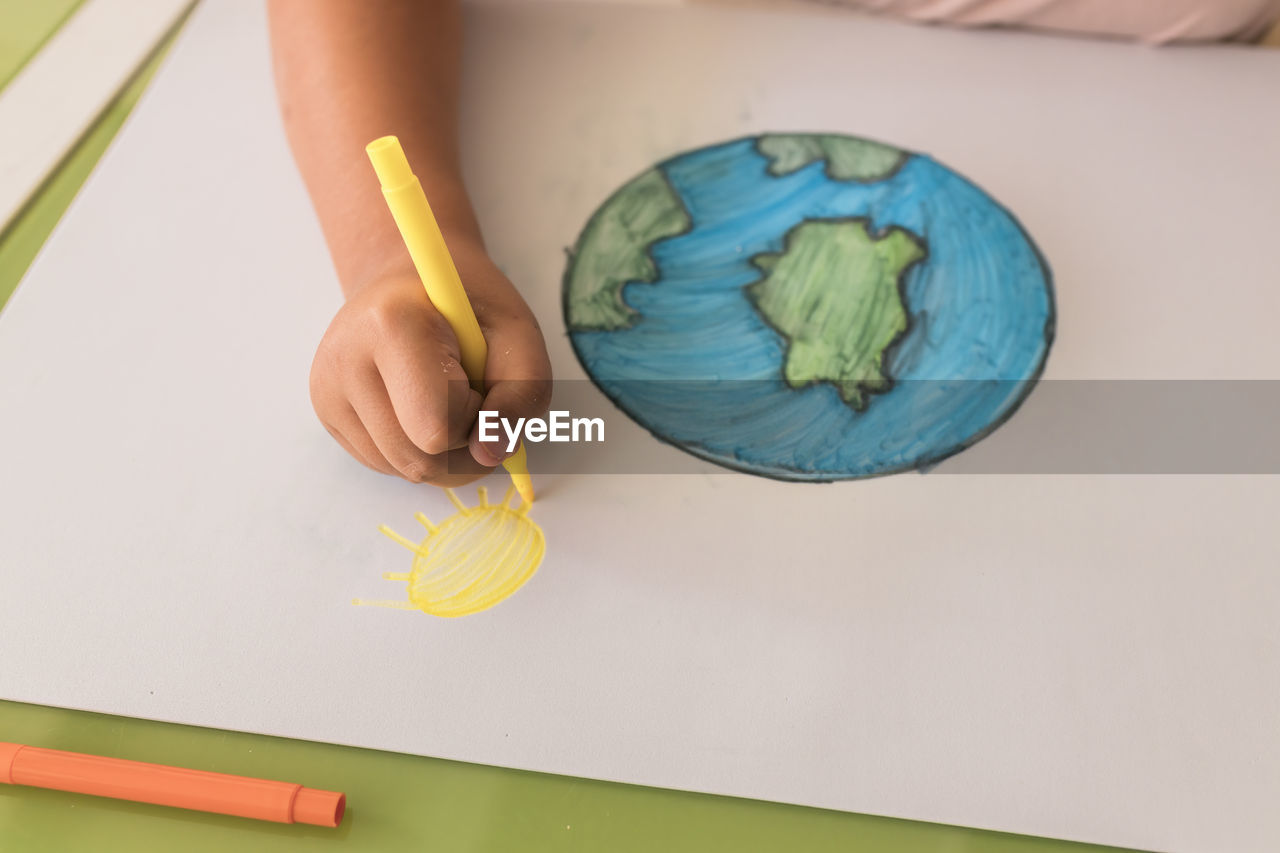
[507,408]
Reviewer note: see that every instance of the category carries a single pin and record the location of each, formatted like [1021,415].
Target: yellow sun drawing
[471,560]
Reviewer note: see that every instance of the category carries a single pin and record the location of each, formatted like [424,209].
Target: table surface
[395,801]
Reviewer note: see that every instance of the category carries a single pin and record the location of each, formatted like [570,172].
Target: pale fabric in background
[1155,21]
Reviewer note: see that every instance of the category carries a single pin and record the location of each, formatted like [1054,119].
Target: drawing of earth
[809,307]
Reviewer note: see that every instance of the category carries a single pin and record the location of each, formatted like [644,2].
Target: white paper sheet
[1082,657]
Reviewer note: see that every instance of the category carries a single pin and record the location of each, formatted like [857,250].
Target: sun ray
[396,537]
[396,576]
[425,522]
[456,500]
[482,493]
[511,490]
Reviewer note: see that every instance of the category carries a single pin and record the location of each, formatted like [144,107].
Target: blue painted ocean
[701,369]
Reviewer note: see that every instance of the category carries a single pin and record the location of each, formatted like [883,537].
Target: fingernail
[485,456]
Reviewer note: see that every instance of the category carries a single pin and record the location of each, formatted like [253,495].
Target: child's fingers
[350,433]
[347,430]
[460,468]
[372,405]
[513,399]
[518,377]
[428,390]
[338,417]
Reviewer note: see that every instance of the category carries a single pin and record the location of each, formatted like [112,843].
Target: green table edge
[396,802]
[27,27]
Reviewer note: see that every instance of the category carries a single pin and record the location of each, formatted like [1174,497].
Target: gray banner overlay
[1063,427]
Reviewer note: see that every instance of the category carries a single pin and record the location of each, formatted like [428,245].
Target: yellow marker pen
[417,224]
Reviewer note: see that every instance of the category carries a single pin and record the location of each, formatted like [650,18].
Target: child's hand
[387,384]
[386,380]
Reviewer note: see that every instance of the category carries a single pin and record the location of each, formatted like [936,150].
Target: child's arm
[348,72]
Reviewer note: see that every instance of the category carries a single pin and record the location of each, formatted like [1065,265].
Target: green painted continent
[848,159]
[833,292]
[614,250]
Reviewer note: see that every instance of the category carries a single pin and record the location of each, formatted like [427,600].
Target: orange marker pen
[242,796]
